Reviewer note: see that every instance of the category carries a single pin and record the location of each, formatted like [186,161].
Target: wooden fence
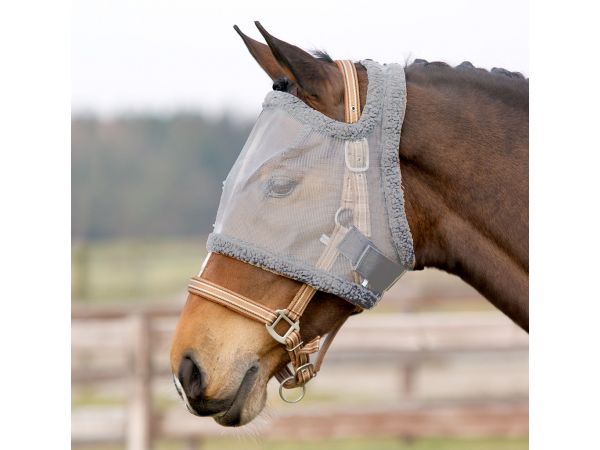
[406,341]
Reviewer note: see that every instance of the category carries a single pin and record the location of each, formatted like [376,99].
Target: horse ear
[263,56]
[301,67]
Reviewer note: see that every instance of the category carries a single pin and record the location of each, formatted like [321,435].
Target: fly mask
[319,201]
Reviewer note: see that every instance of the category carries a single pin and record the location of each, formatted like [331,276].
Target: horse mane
[322,55]
[511,87]
[467,65]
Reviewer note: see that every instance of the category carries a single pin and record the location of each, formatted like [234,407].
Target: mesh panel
[287,185]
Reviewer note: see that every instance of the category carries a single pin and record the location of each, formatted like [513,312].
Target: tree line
[150,175]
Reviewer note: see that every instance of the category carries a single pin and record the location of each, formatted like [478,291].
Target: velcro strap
[378,270]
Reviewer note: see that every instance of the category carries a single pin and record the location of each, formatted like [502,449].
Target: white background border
[35,202]
[35,206]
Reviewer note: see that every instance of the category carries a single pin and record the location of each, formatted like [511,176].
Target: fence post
[139,435]
[409,369]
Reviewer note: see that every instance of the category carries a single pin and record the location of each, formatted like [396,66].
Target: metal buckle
[365,156]
[303,367]
[294,326]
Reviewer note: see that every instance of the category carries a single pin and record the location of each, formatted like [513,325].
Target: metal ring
[341,209]
[281,388]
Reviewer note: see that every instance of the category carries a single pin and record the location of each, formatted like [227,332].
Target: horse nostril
[190,378]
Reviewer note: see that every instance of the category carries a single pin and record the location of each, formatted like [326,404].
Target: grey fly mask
[320,201]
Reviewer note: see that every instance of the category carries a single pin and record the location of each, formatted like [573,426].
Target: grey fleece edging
[393,117]
[291,268]
[328,126]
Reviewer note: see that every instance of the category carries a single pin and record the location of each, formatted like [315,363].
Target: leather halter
[299,352]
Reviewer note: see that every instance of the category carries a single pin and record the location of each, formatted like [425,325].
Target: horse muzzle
[191,387]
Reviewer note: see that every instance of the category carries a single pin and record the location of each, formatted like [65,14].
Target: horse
[464,161]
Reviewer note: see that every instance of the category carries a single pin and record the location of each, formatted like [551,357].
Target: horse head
[221,360]
[464,157]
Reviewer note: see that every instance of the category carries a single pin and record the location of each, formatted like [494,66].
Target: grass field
[133,271]
[376,444]
[349,444]
[157,271]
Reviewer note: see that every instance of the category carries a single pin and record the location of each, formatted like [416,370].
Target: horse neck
[464,162]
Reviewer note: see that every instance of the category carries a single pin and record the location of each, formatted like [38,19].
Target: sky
[162,56]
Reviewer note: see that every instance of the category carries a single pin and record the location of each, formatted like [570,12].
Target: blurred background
[163,97]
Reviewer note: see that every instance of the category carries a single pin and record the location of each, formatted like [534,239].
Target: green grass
[155,270]
[348,444]
[90,397]
[372,444]
[134,271]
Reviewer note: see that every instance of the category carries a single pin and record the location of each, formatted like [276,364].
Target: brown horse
[464,162]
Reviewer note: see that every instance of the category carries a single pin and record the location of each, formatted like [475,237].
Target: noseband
[354,197]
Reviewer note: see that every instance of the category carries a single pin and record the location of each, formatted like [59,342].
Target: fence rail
[401,340]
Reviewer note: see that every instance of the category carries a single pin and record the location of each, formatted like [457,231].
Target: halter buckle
[303,367]
[281,338]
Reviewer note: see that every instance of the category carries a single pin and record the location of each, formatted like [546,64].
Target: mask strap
[351,91]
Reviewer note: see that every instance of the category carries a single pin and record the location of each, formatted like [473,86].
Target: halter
[354,198]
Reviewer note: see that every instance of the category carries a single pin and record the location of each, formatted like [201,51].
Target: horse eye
[280,186]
